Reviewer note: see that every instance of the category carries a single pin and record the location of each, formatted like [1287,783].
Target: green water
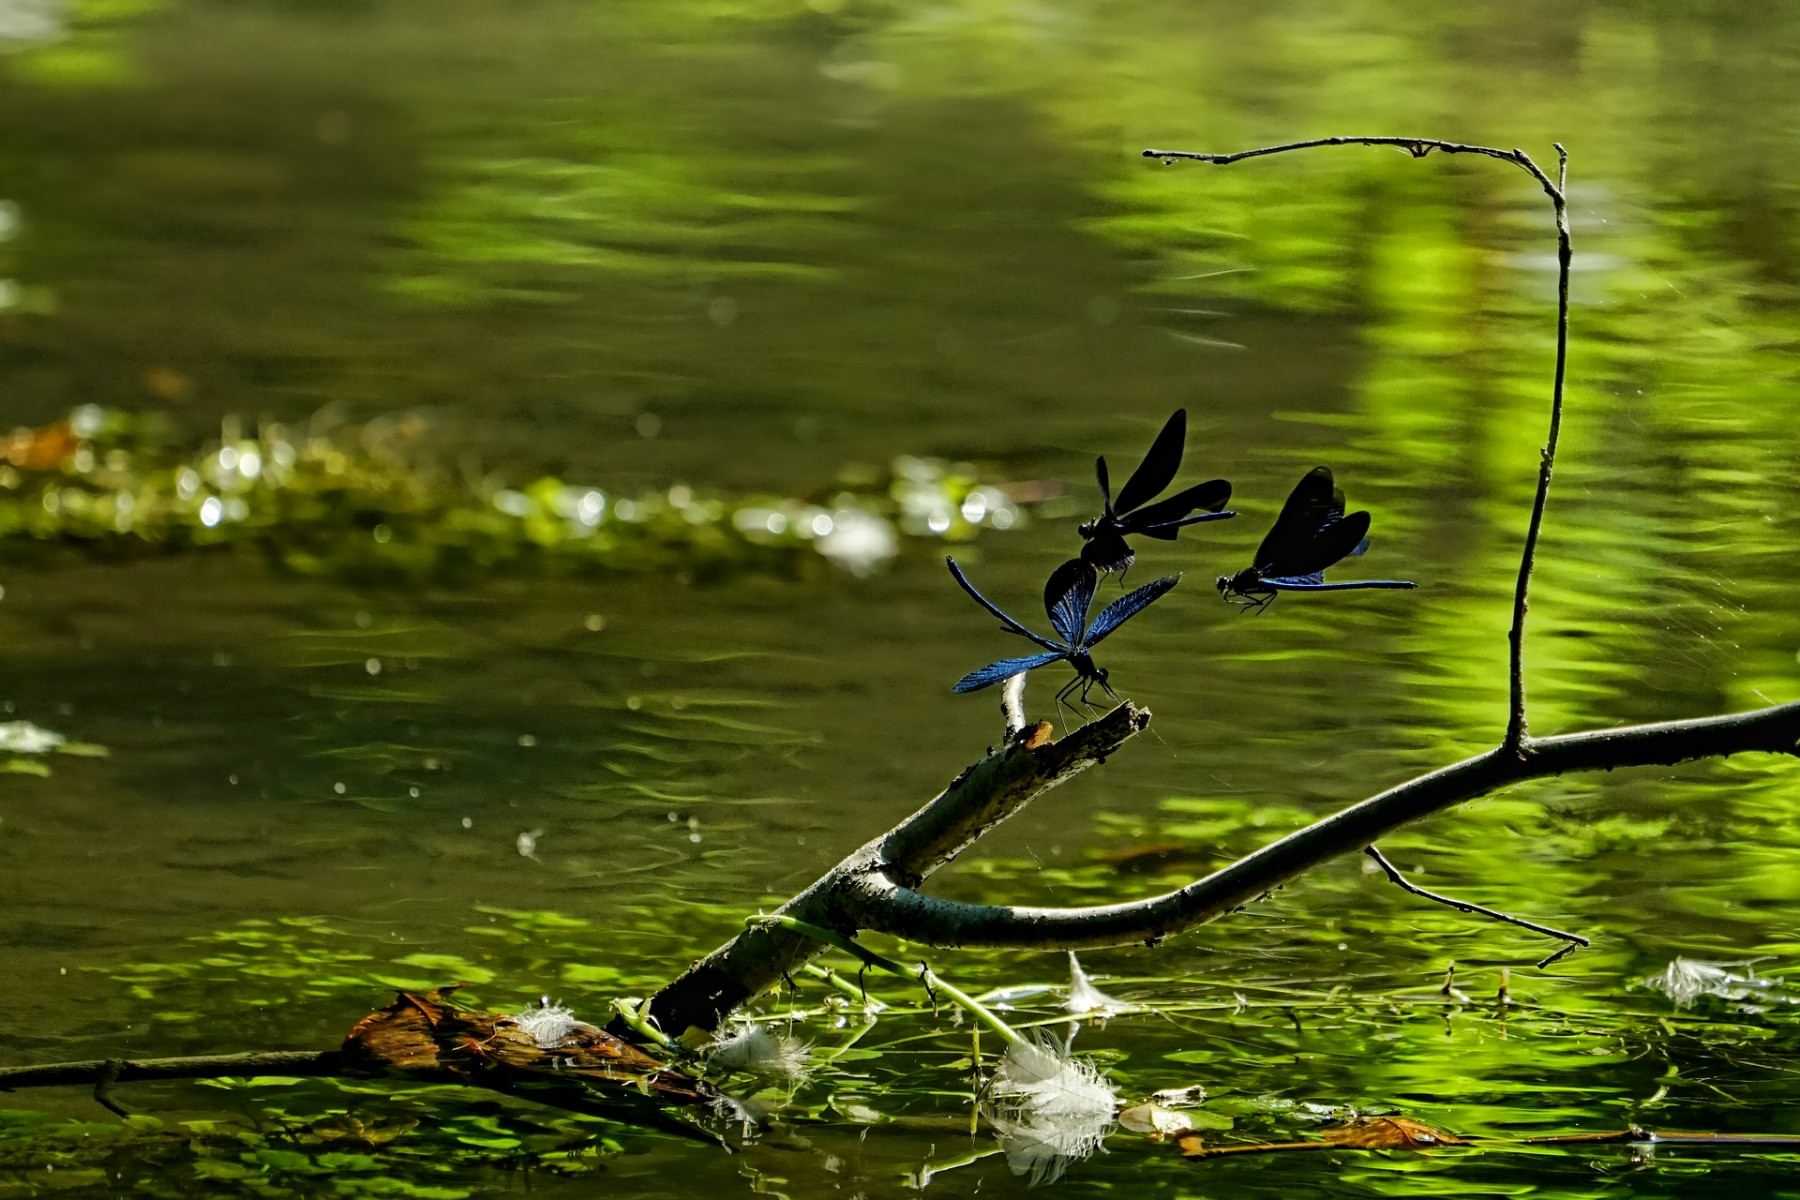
[745,246]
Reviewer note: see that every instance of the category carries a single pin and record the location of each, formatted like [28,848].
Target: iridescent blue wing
[1162,519]
[1006,622]
[1006,668]
[1157,471]
[1126,607]
[1067,594]
[1316,583]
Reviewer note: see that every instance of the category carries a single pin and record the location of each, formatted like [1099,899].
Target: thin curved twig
[1570,940]
[1518,733]
[568,1094]
[103,1072]
[1417,147]
[1517,739]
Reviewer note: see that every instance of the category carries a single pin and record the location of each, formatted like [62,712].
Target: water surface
[747,246]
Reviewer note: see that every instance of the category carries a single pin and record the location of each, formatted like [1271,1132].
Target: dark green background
[782,238]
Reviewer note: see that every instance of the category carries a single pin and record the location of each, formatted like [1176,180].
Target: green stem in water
[635,1014]
[931,979]
[848,987]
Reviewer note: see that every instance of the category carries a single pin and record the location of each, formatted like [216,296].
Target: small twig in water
[103,1086]
[1573,940]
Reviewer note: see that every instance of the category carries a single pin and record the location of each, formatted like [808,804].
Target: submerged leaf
[1155,1121]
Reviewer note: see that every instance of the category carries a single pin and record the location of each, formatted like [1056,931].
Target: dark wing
[1105,485]
[1157,471]
[1126,607]
[1305,513]
[1333,543]
[1334,512]
[1067,594]
[1332,536]
[1162,519]
[1006,668]
[1006,622]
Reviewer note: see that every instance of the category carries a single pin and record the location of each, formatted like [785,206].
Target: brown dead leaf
[402,1036]
[1388,1133]
[1192,1145]
[424,1033]
[1364,1133]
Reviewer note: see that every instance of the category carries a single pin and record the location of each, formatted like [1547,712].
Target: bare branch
[200,1066]
[1417,147]
[570,1094]
[979,798]
[1517,730]
[1400,881]
[878,900]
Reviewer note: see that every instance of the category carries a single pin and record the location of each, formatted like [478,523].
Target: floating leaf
[1389,1133]
[1155,1121]
[25,766]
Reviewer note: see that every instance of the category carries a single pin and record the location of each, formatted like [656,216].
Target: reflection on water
[743,246]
